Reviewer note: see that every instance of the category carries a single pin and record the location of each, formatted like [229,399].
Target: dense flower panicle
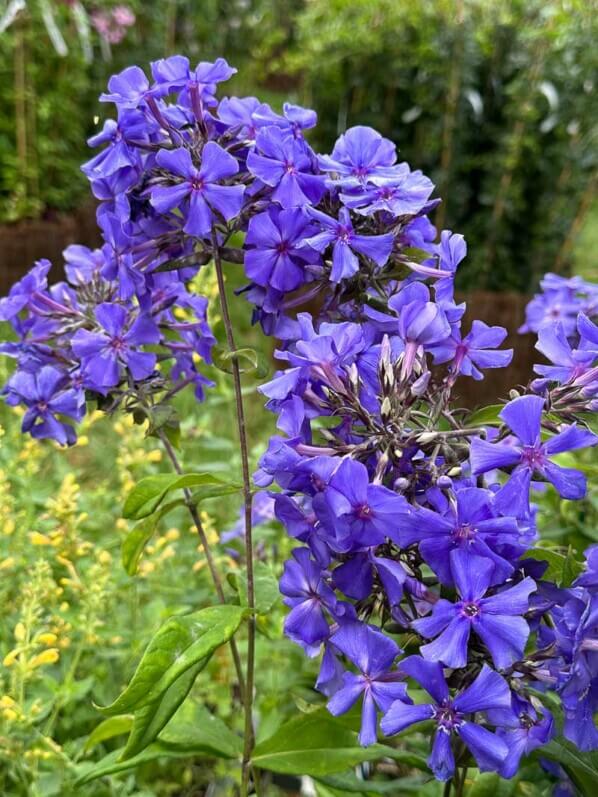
[410,523]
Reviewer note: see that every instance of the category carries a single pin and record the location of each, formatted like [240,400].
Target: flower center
[363,512]
[343,234]
[42,406]
[283,248]
[289,167]
[470,609]
[464,533]
[197,184]
[118,344]
[447,717]
[533,456]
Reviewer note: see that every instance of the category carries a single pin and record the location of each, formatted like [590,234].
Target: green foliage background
[494,100]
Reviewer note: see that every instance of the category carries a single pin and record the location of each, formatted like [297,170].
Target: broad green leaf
[194,727]
[111,764]
[179,645]
[571,568]
[486,416]
[265,585]
[139,536]
[582,768]
[148,494]
[152,718]
[318,744]
[561,569]
[353,785]
[108,728]
[193,731]
[490,784]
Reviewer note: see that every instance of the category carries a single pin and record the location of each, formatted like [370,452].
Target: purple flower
[21,292]
[568,364]
[403,194]
[421,324]
[119,154]
[451,250]
[81,264]
[309,596]
[119,265]
[496,620]
[175,74]
[105,352]
[488,691]
[285,164]
[278,256]
[47,395]
[363,512]
[355,577]
[523,729]
[373,654]
[240,114]
[475,351]
[469,522]
[345,242]
[128,89]
[529,456]
[360,152]
[199,192]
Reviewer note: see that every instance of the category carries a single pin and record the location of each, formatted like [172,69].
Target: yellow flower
[49,656]
[47,638]
[11,657]
[6,701]
[20,632]
[39,539]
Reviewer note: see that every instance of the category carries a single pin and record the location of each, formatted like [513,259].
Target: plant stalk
[242,430]
[192,508]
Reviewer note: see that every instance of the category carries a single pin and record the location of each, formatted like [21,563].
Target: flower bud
[419,387]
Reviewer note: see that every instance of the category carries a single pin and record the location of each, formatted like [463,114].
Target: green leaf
[582,768]
[194,727]
[192,731]
[571,568]
[486,416]
[563,570]
[164,418]
[148,494]
[317,744]
[108,728]
[354,785]
[177,647]
[151,719]
[265,584]
[139,536]
[257,363]
[111,764]
[489,784]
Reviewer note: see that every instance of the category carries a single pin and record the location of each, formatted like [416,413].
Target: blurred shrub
[495,101]
[53,67]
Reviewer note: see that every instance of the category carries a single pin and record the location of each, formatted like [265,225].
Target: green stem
[192,509]
[247,495]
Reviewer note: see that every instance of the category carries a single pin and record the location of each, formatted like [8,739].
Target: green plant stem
[241,426]
[461,786]
[192,508]
[447,788]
